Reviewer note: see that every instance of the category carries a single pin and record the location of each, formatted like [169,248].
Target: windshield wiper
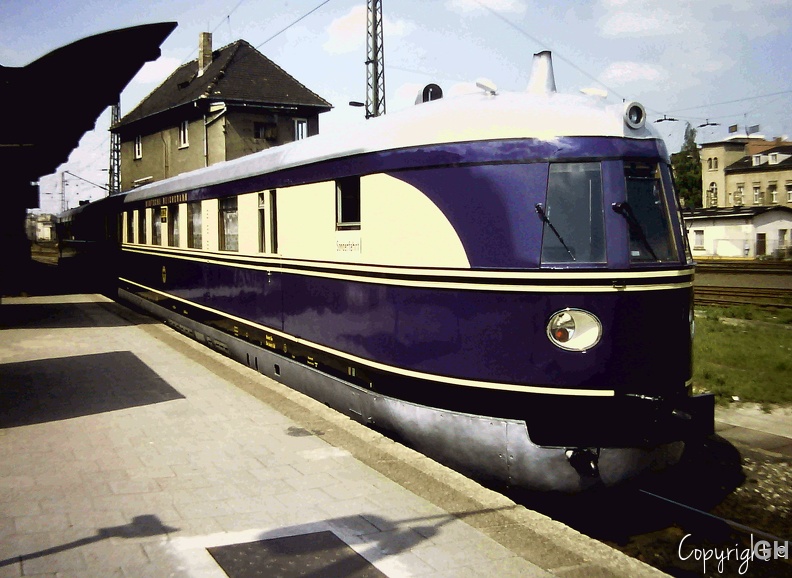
[625,210]
[541,212]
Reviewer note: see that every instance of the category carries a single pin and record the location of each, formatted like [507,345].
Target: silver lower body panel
[493,450]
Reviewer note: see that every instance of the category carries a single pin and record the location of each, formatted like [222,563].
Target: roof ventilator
[542,79]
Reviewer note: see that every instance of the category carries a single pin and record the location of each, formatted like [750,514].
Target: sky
[705,62]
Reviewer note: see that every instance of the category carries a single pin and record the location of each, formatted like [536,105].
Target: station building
[747,200]
[225,104]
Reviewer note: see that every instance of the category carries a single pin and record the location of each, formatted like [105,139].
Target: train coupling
[584,460]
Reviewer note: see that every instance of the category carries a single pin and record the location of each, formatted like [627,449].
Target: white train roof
[472,117]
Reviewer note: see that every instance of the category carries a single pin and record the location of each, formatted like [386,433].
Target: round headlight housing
[574,329]
[634,115]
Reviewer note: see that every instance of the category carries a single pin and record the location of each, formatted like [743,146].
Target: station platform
[127,449]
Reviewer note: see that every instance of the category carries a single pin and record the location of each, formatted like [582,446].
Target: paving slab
[127,449]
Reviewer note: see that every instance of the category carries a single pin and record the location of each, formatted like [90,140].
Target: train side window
[141,226]
[262,222]
[173,225]
[194,224]
[156,226]
[273,221]
[574,228]
[348,203]
[130,227]
[229,224]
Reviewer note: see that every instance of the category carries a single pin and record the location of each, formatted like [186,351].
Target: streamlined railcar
[500,280]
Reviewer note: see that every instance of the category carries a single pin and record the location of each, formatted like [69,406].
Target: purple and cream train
[500,280]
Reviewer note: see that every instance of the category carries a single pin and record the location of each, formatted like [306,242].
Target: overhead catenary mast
[114,171]
[375,62]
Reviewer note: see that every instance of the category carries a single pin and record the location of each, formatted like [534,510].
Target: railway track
[706,506]
[761,297]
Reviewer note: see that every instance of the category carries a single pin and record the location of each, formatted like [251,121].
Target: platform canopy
[50,103]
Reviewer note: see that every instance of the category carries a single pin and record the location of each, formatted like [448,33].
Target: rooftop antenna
[542,80]
[375,63]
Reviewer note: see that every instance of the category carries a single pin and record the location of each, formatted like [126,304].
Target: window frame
[300,128]
[138,147]
[348,203]
[194,237]
[227,235]
[184,134]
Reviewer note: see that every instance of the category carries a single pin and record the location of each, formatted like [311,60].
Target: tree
[687,169]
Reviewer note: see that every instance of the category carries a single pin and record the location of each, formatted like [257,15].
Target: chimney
[204,51]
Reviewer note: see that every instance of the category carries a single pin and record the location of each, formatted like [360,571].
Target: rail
[761,297]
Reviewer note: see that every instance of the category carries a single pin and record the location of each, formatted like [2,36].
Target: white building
[739,232]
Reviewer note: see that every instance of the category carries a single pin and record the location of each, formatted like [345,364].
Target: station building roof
[238,73]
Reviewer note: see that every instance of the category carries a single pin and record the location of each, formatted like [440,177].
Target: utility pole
[114,171]
[375,63]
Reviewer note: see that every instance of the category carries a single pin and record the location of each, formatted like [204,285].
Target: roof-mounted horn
[542,80]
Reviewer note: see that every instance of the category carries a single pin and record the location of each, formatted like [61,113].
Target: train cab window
[173,225]
[141,226]
[348,203]
[646,212]
[156,226]
[194,224]
[574,230]
[229,225]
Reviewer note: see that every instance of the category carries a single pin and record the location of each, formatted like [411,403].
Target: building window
[300,128]
[229,225]
[698,243]
[156,225]
[774,158]
[739,198]
[757,195]
[712,193]
[265,131]
[757,160]
[715,163]
[194,224]
[348,203]
[138,147]
[184,134]
[772,188]
[782,238]
[789,192]
[173,225]
[142,226]
[709,164]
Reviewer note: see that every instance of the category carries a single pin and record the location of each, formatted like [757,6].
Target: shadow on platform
[35,315]
[140,527]
[62,388]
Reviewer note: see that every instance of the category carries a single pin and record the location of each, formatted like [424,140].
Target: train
[499,280]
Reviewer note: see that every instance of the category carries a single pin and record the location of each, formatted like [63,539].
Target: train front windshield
[574,214]
[646,212]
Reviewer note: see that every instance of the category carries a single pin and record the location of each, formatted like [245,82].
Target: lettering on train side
[167,200]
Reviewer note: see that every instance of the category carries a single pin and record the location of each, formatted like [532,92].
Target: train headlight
[574,329]
[634,115]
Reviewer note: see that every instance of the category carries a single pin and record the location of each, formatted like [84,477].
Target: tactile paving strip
[316,555]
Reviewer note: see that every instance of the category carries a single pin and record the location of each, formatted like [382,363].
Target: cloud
[638,23]
[505,6]
[626,72]
[157,71]
[348,33]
